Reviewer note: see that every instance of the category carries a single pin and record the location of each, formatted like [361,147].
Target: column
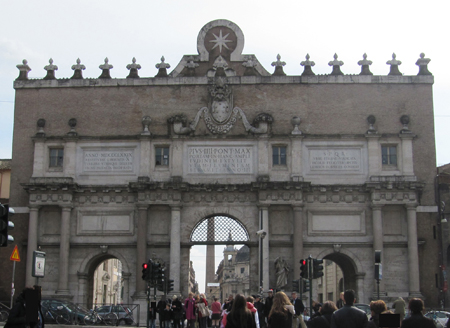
[377,223]
[32,243]
[145,156]
[175,230]
[265,247]
[296,158]
[407,153]
[413,252]
[210,258]
[298,239]
[39,158]
[141,248]
[374,154]
[82,289]
[70,157]
[263,156]
[64,251]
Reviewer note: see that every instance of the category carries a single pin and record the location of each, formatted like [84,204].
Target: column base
[64,294]
[142,301]
[415,295]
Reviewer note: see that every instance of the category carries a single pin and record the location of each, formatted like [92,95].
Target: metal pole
[310,286]
[148,305]
[378,288]
[12,284]
[260,254]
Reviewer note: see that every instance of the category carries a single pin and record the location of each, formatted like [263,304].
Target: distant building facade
[108,283]
[336,166]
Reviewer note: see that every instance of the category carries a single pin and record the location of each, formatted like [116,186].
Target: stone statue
[282,269]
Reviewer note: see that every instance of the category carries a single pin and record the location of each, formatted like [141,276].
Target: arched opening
[105,282]
[219,271]
[339,275]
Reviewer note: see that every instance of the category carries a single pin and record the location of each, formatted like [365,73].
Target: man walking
[299,308]
[260,308]
[399,307]
[340,302]
[349,316]
[268,304]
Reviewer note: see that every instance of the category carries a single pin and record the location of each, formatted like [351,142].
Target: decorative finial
[405,121]
[279,67]
[394,65]
[40,124]
[50,70]
[23,70]
[77,74]
[371,120]
[308,64]
[336,65]
[422,62]
[295,121]
[190,66]
[133,68]
[146,120]
[365,65]
[72,123]
[105,69]
[162,67]
[250,65]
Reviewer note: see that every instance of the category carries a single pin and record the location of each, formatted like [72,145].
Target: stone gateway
[336,166]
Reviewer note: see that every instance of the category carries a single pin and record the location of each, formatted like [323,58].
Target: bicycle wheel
[110,319]
[90,320]
[4,316]
[63,319]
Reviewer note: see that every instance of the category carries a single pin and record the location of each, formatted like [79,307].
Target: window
[242,270]
[279,155]
[162,156]
[56,157]
[389,155]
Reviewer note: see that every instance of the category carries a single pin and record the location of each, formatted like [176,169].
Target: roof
[5,164]
[243,254]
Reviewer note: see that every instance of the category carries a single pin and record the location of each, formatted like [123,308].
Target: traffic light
[305,285]
[317,268]
[296,285]
[5,213]
[169,285]
[161,281]
[145,272]
[304,269]
[377,256]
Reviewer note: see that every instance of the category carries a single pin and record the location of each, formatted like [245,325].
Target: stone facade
[302,158]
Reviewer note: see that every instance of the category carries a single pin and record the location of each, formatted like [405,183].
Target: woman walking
[189,305]
[324,319]
[203,311]
[240,316]
[282,312]
[216,309]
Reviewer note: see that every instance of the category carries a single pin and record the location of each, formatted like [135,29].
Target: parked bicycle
[4,312]
[109,319]
[60,316]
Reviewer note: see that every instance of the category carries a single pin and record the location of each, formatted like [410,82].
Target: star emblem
[221,41]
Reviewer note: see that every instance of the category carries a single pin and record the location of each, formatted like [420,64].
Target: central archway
[234,269]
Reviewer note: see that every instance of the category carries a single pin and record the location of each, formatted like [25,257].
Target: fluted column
[64,251]
[298,239]
[377,224]
[141,247]
[413,251]
[175,258]
[32,243]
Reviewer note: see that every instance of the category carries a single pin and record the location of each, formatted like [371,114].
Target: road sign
[15,255]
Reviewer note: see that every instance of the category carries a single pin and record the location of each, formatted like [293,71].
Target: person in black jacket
[260,308]
[240,316]
[282,312]
[269,303]
[18,315]
[349,316]
[324,320]
[417,320]
[176,311]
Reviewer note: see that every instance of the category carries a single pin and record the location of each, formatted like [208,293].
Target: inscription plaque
[337,159]
[108,160]
[220,160]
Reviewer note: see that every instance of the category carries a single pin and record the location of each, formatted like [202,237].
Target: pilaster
[32,243]
[64,251]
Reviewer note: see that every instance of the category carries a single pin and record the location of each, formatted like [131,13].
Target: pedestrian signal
[304,269]
[306,286]
[296,285]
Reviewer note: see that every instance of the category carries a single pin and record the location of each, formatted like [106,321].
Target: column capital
[297,207]
[66,207]
[376,206]
[411,206]
[142,207]
[176,207]
[263,206]
[34,208]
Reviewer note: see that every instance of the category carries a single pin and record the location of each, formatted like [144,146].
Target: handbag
[203,310]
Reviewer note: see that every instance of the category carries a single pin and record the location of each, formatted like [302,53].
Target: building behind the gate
[335,166]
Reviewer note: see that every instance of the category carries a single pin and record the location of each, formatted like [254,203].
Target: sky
[120,30]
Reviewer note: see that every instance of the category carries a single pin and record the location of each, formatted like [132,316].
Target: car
[62,312]
[440,318]
[124,314]
[365,308]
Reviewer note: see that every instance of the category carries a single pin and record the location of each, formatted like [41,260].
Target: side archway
[86,274]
